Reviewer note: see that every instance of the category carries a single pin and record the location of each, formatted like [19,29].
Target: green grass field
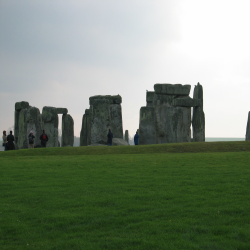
[169,196]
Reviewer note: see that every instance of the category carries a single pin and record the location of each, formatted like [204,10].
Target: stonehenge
[104,112]
[166,118]
[29,118]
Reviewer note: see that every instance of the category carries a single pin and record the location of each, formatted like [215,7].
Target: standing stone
[50,125]
[126,136]
[147,126]
[105,112]
[67,131]
[248,128]
[27,118]
[198,121]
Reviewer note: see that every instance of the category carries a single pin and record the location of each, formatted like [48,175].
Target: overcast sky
[59,53]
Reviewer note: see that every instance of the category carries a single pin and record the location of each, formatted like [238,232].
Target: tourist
[110,137]
[44,138]
[10,139]
[31,139]
[136,138]
[4,140]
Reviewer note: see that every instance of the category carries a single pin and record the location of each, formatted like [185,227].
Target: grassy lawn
[122,199]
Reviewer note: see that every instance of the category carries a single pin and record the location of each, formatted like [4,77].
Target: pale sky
[59,53]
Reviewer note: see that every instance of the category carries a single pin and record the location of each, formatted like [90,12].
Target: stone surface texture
[104,113]
[63,111]
[198,121]
[248,128]
[167,117]
[119,142]
[67,131]
[26,119]
[126,136]
[50,125]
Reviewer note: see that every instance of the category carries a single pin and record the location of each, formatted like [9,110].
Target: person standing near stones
[31,139]
[10,139]
[110,137]
[44,138]
[4,140]
[136,138]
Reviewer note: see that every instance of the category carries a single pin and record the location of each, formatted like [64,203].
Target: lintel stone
[186,102]
[21,105]
[172,89]
[113,99]
[62,111]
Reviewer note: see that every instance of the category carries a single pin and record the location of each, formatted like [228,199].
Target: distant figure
[4,140]
[110,137]
[44,138]
[31,139]
[136,138]
[10,139]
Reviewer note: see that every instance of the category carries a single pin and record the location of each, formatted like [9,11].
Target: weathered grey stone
[63,111]
[21,105]
[173,124]
[116,120]
[186,102]
[198,93]
[150,98]
[198,121]
[119,142]
[147,126]
[50,125]
[248,128]
[67,131]
[172,89]
[105,113]
[126,136]
[100,121]
[85,136]
[27,120]
[160,99]
[112,99]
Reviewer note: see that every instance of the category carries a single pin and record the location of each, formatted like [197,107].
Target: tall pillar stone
[248,128]
[126,136]
[27,119]
[50,125]
[198,121]
[67,131]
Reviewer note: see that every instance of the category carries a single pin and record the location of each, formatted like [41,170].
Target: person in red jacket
[44,138]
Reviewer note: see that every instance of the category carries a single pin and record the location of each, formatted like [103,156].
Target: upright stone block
[126,136]
[86,129]
[147,126]
[116,120]
[67,131]
[50,125]
[198,121]
[248,128]
[150,98]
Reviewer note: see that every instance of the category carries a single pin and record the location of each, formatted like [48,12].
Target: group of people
[110,138]
[8,141]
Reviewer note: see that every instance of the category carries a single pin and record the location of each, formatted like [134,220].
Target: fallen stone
[63,111]
[21,105]
[119,142]
[172,89]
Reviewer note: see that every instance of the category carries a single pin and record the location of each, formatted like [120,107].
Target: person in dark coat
[136,138]
[10,139]
[110,137]
[44,138]
[31,138]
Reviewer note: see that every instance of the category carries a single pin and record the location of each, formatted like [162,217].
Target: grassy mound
[197,147]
